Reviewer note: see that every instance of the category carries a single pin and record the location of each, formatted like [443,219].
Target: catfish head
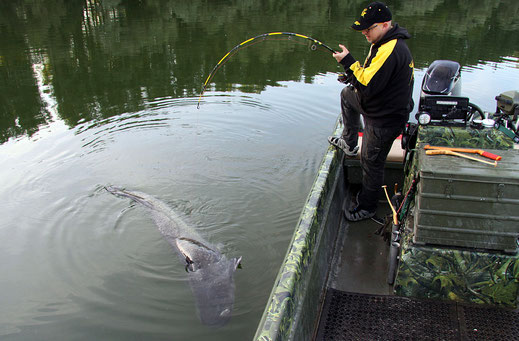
[211,277]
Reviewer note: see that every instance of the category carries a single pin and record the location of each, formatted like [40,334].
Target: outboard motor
[440,100]
[443,77]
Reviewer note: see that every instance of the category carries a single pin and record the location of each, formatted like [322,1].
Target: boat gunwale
[283,309]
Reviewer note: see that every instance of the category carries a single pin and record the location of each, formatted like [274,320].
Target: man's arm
[374,78]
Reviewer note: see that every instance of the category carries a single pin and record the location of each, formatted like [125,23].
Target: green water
[96,93]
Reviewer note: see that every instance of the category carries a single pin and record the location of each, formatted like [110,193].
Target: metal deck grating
[351,316]
[490,324]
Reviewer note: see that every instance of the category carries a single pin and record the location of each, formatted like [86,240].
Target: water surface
[97,93]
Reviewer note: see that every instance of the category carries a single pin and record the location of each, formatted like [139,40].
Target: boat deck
[363,262]
[360,305]
[353,316]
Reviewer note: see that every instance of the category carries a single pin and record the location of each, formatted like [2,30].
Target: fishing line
[252,41]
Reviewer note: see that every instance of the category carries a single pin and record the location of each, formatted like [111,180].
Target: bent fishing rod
[262,37]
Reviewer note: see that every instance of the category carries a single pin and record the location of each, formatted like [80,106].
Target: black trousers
[376,144]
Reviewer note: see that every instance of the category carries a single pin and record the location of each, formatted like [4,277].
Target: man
[381,91]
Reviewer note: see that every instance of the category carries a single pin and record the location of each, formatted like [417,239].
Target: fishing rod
[262,37]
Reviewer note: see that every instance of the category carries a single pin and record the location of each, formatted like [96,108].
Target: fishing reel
[345,77]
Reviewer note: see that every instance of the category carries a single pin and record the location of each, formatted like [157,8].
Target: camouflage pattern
[300,282]
[458,274]
[445,136]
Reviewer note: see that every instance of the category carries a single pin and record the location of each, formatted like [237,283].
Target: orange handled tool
[450,152]
[467,150]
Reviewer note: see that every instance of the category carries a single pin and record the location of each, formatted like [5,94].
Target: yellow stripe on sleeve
[365,74]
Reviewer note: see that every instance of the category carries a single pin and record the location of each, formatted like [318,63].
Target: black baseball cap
[375,12]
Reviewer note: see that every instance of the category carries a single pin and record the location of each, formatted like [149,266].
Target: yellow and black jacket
[385,81]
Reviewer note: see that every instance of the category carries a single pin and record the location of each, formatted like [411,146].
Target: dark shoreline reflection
[99,59]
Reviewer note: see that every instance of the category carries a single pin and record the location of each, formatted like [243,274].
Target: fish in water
[211,274]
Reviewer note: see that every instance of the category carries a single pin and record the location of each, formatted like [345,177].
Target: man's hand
[340,55]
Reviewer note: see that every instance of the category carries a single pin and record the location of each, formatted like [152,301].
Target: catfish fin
[237,263]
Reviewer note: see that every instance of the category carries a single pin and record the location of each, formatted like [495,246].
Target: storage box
[465,203]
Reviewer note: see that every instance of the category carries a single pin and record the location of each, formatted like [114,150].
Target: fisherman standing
[381,91]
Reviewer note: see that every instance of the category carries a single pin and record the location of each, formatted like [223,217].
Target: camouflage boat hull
[293,307]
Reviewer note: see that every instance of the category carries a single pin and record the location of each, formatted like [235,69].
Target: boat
[441,262]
